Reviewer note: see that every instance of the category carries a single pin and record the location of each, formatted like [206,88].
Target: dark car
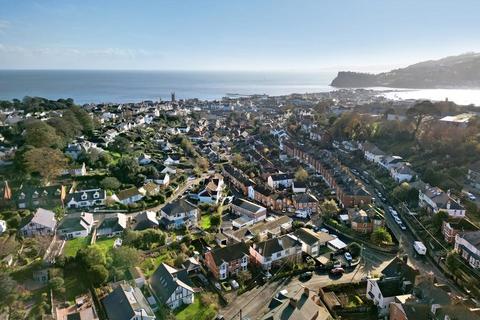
[305,276]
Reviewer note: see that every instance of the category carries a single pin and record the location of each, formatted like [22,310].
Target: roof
[145,220]
[124,301]
[311,237]
[473,238]
[165,280]
[178,206]
[282,176]
[401,269]
[390,288]
[127,193]
[247,205]
[76,222]
[265,225]
[44,217]
[271,246]
[117,222]
[304,198]
[230,253]
[90,195]
[303,305]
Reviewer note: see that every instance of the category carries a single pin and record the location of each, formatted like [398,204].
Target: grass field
[72,246]
[205,222]
[194,311]
[105,244]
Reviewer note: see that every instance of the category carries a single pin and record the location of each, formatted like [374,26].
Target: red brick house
[228,261]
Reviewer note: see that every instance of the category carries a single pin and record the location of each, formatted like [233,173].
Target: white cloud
[4,25]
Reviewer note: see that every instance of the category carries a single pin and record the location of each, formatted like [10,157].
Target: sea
[95,86]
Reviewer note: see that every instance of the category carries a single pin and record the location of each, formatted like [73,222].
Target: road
[254,303]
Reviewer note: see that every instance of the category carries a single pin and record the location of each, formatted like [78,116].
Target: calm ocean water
[133,86]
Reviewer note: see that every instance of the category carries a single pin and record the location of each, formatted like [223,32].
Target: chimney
[405,259]
[293,302]
[306,292]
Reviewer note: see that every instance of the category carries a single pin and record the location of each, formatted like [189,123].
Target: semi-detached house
[227,261]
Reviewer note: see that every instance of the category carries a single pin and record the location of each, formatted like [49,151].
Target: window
[84,196]
[96,195]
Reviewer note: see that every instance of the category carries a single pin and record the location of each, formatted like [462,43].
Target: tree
[120,144]
[48,163]
[8,289]
[438,218]
[301,175]
[419,111]
[126,169]
[355,249]
[244,276]
[57,285]
[381,236]
[110,183]
[180,259]
[329,207]
[125,257]
[453,262]
[90,256]
[215,220]
[98,274]
[39,134]
[202,163]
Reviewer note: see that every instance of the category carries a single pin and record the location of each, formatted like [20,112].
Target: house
[73,150]
[137,276]
[149,189]
[453,226]
[365,220]
[112,225]
[166,169]
[42,223]
[249,212]
[145,220]
[163,179]
[144,159]
[468,246]
[78,171]
[304,304]
[75,225]
[128,196]
[227,261]
[269,228]
[3,226]
[312,241]
[371,152]
[473,175]
[435,200]
[305,202]
[299,187]
[127,303]
[83,309]
[273,252]
[171,286]
[179,214]
[172,159]
[86,198]
[45,197]
[278,180]
[402,172]
[192,265]
[212,192]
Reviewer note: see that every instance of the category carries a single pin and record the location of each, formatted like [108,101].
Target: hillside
[462,71]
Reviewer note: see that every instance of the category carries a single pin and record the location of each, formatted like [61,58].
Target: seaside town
[336,205]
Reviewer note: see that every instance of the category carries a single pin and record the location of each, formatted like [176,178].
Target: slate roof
[44,217]
[398,268]
[165,280]
[473,238]
[304,198]
[117,222]
[282,176]
[247,205]
[124,301]
[230,253]
[128,193]
[311,237]
[269,247]
[178,206]
[78,221]
[77,196]
[145,220]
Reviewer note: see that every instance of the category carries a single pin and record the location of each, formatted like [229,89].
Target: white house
[278,180]
[172,286]
[178,214]
[312,241]
[112,225]
[86,198]
[401,172]
[436,200]
[383,292]
[172,160]
[275,251]
[299,187]
[128,196]
[42,222]
[163,179]
[75,225]
[3,226]
[468,246]
[127,303]
[371,152]
[144,159]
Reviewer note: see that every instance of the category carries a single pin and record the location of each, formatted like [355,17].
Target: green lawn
[105,244]
[205,222]
[194,311]
[149,265]
[72,246]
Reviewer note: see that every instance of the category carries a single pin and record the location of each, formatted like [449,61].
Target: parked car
[348,256]
[234,284]
[337,271]
[305,276]
[398,220]
[402,226]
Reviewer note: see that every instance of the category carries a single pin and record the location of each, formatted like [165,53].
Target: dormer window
[96,195]
[21,196]
[45,193]
[84,196]
[35,195]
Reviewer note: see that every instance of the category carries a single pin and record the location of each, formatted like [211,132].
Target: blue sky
[366,35]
